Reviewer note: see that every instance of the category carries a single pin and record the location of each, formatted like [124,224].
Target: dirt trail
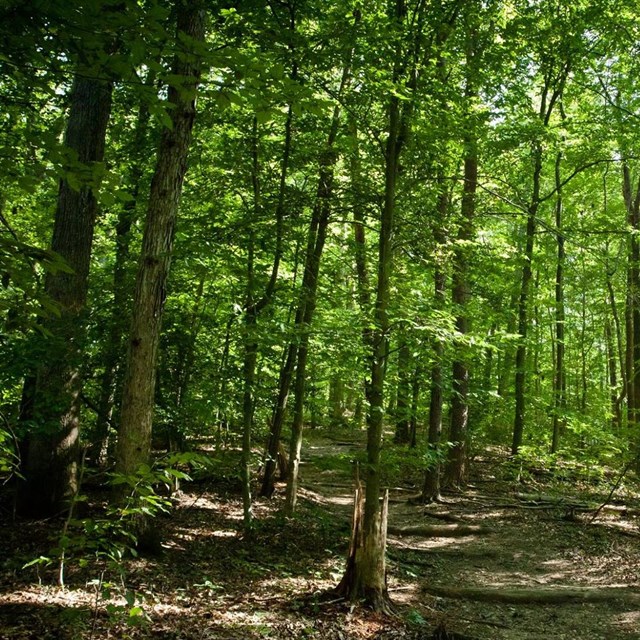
[529,547]
[216,582]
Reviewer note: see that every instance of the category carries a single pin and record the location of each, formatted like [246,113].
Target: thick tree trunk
[50,466]
[134,434]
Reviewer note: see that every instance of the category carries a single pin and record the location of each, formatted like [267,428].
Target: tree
[52,452]
[134,433]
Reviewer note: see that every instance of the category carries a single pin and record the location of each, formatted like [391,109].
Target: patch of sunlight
[628,621]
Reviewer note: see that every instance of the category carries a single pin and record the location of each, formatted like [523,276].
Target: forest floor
[544,569]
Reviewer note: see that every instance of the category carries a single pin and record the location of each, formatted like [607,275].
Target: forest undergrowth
[538,561]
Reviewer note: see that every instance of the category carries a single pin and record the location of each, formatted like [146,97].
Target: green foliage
[9,456]
[110,539]
[401,465]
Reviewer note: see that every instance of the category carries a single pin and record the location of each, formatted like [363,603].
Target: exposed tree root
[440,530]
[540,595]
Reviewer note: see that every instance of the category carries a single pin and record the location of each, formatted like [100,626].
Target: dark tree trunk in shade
[403,400]
[632,311]
[415,399]
[458,435]
[431,486]
[456,465]
[50,466]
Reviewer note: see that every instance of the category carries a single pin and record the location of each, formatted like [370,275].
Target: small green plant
[112,537]
[9,458]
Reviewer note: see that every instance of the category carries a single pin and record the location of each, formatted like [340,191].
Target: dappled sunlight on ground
[215,581]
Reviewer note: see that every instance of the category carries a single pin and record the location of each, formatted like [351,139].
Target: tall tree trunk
[308,293]
[523,304]
[456,468]
[403,398]
[415,400]
[184,371]
[120,314]
[50,466]
[559,378]
[253,310]
[551,92]
[456,464]
[619,354]
[308,303]
[365,575]
[431,486]
[134,434]
[616,417]
[632,312]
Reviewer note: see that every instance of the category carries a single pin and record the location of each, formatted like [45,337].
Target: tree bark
[134,434]
[120,316]
[365,578]
[50,467]
[551,92]
[308,293]
[431,486]
[632,312]
[456,467]
[559,379]
[456,464]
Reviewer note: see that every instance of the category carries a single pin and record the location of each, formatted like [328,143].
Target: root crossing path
[489,563]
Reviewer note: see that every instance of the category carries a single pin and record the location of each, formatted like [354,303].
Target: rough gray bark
[134,433]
